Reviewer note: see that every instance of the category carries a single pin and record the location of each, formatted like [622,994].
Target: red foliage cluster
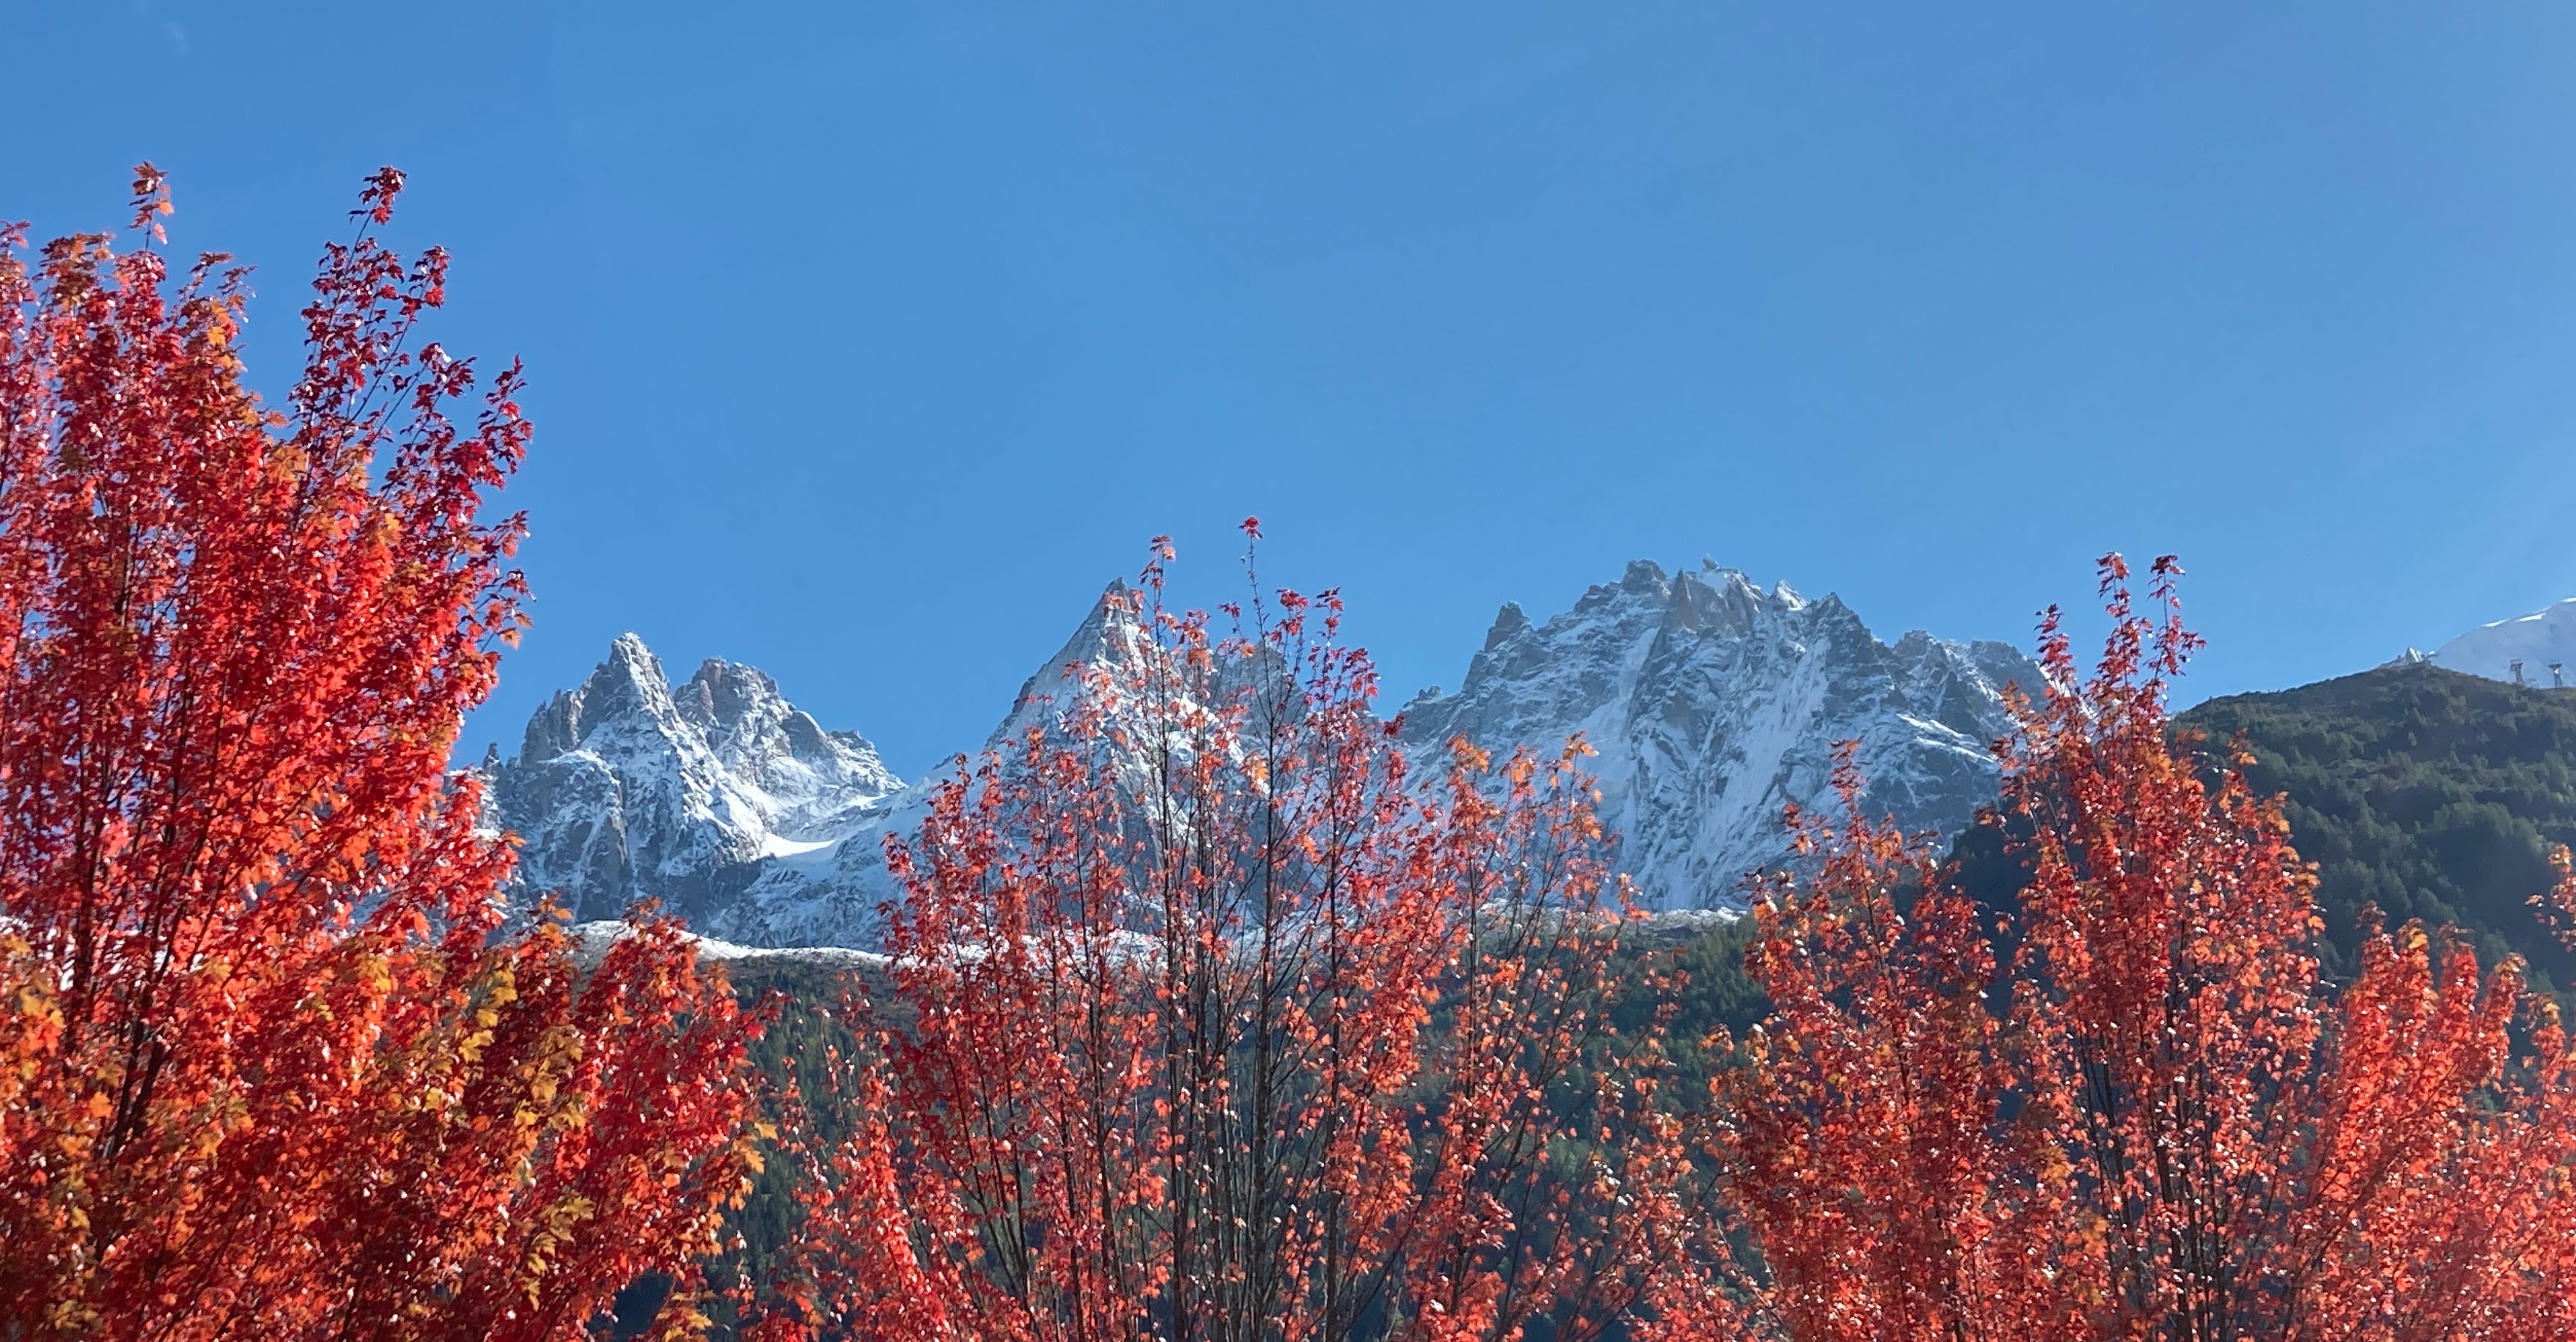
[271,1063]
[1210,1022]
[2135,1112]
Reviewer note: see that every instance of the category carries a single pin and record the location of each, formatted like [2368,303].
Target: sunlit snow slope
[2543,643]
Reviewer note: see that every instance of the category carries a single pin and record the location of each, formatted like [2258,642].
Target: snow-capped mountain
[1714,703]
[2535,649]
[1112,635]
[725,802]
[717,798]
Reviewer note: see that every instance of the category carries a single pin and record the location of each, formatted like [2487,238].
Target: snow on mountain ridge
[625,790]
[2543,643]
[1112,634]
[728,804]
[1712,703]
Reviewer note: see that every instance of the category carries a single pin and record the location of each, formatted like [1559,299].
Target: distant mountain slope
[724,801]
[2430,793]
[710,797]
[2538,649]
[1714,704]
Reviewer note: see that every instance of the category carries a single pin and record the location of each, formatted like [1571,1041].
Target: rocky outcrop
[1714,703]
[628,789]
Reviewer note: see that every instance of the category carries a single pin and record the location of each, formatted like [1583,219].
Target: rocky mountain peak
[625,790]
[1112,634]
[724,694]
[1714,704]
[773,746]
[625,690]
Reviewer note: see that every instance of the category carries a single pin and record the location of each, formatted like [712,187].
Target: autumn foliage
[1210,1020]
[272,1063]
[2128,1108]
[1208,1013]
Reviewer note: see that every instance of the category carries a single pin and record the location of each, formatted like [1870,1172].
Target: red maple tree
[2133,1110]
[1208,1020]
[272,1062]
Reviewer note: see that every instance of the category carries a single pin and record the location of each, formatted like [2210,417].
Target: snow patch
[2538,649]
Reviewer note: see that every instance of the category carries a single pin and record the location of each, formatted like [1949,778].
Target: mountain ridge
[1714,703]
[2425,792]
[2535,649]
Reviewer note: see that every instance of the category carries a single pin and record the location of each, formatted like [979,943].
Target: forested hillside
[2428,793]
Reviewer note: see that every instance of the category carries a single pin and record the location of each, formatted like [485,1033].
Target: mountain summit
[626,789]
[1714,704]
[2538,649]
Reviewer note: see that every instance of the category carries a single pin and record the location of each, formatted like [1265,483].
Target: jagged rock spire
[1714,704]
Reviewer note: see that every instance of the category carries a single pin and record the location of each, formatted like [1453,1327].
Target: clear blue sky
[870,340]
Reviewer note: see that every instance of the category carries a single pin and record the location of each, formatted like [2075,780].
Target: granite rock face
[728,804]
[1714,703]
[628,788]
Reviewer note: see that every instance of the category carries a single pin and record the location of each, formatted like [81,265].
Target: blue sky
[870,340]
